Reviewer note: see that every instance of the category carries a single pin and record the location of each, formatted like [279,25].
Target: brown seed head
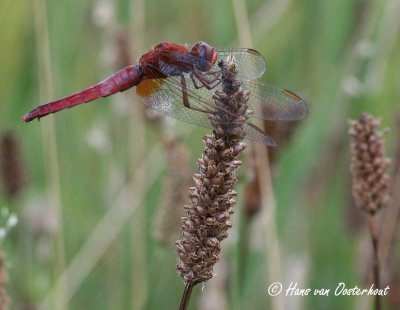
[212,198]
[12,167]
[368,164]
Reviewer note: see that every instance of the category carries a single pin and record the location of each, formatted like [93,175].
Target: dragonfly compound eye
[206,54]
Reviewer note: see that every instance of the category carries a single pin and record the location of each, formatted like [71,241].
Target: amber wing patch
[148,87]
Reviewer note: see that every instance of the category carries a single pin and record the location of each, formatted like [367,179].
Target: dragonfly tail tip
[25,118]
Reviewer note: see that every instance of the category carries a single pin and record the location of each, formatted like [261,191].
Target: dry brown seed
[226,153]
[212,242]
[201,211]
[210,221]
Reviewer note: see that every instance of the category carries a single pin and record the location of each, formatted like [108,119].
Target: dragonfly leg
[197,86]
[209,83]
[186,103]
[185,98]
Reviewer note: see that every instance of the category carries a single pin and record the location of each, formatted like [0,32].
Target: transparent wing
[250,63]
[165,96]
[267,102]
[255,134]
[272,103]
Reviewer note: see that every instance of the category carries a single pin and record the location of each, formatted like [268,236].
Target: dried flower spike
[212,197]
[12,167]
[368,164]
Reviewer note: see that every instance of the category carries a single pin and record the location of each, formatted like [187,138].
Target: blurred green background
[93,176]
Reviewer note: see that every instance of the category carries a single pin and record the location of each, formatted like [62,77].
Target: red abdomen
[118,82]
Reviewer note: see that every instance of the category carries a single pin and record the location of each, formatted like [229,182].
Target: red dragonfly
[179,81]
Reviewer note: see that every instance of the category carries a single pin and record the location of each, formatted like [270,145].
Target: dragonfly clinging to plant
[180,80]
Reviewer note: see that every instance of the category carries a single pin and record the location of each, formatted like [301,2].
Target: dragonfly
[179,81]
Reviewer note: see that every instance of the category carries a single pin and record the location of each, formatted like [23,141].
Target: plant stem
[263,174]
[48,128]
[187,292]
[137,147]
[375,267]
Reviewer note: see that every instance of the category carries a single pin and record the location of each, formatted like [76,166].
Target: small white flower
[12,220]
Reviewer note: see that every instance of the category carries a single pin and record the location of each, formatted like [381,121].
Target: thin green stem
[49,137]
[263,171]
[139,276]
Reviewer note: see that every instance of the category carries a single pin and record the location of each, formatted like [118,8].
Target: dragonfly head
[206,53]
